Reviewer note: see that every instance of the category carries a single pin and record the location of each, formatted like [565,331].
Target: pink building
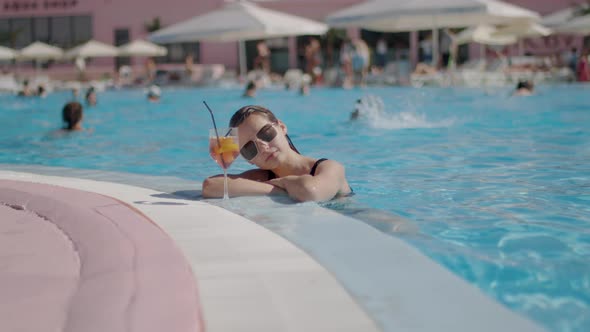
[66,23]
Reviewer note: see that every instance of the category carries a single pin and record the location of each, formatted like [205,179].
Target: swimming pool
[498,186]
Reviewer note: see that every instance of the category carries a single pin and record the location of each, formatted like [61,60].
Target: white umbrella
[403,15]
[400,15]
[92,49]
[521,31]
[524,30]
[483,34]
[238,21]
[140,47]
[579,25]
[7,53]
[559,17]
[40,51]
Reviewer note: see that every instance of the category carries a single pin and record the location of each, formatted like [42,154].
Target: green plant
[9,37]
[153,25]
[581,9]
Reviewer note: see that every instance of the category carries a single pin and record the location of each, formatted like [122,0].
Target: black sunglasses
[267,133]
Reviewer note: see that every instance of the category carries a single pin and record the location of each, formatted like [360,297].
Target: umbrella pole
[435,47]
[482,51]
[242,58]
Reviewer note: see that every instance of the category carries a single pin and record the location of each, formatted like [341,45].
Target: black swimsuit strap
[272,175]
[315,165]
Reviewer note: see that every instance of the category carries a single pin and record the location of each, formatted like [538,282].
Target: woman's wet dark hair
[243,113]
[72,114]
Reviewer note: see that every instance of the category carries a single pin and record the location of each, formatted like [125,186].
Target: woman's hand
[324,186]
[249,183]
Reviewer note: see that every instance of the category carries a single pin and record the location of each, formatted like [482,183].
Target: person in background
[75,93]
[446,48]
[524,88]
[313,60]
[26,91]
[250,91]
[41,91]
[262,60]
[381,53]
[356,112]
[360,62]
[189,65]
[150,69]
[154,93]
[346,52]
[426,49]
[91,99]
[572,60]
[281,169]
[369,106]
[72,115]
[583,69]
[304,88]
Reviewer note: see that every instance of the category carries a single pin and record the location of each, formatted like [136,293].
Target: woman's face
[270,154]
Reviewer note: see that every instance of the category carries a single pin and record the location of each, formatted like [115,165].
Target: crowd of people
[280,169]
[73,110]
[354,60]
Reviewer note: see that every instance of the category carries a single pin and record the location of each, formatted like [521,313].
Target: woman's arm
[325,185]
[249,183]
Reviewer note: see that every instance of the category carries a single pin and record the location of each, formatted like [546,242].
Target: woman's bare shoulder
[329,164]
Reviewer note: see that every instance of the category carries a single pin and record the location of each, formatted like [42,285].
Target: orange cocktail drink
[224,150]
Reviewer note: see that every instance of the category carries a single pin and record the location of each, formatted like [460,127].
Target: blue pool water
[499,187]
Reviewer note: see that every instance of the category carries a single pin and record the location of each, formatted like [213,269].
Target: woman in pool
[281,168]
[72,115]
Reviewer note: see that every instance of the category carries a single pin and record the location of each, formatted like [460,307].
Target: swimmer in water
[367,106]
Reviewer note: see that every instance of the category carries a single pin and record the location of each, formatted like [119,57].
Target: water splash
[371,110]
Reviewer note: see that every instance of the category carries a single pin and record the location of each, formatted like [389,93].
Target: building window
[5,35]
[23,29]
[81,29]
[62,31]
[41,29]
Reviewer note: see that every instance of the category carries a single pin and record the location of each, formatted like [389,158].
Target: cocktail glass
[224,149]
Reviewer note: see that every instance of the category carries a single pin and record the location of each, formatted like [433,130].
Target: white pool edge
[251,279]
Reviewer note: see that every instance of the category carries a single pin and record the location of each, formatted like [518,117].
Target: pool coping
[251,279]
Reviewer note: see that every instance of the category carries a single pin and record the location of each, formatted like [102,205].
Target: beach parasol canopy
[238,21]
[579,25]
[141,47]
[483,34]
[400,15]
[524,30]
[40,51]
[7,53]
[559,17]
[92,49]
